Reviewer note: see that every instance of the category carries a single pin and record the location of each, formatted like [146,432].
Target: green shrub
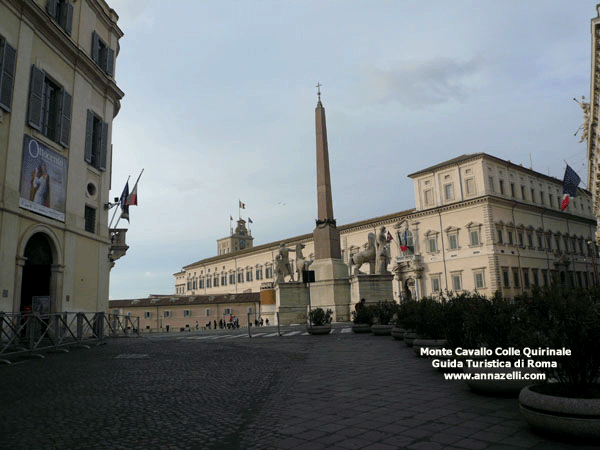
[384,312]
[319,316]
[364,315]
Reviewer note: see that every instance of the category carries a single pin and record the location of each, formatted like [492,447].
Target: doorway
[35,284]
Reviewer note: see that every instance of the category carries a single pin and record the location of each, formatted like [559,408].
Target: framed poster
[43,180]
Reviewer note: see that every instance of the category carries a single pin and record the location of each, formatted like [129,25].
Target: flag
[403,240]
[132,199]
[389,237]
[242,205]
[230,218]
[123,202]
[250,220]
[570,183]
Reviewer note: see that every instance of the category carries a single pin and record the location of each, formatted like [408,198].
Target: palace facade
[480,223]
[58,98]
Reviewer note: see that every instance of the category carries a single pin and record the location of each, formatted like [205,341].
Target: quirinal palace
[479,223]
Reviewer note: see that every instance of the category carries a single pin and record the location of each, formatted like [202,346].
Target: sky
[220,96]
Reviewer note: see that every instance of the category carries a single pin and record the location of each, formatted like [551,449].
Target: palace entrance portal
[37,270]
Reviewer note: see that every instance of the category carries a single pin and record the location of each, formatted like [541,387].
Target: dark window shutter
[95,47]
[66,17]
[36,90]
[51,8]
[7,75]
[110,61]
[103,146]
[65,122]
[89,132]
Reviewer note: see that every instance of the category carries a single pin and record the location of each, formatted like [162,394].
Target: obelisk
[331,288]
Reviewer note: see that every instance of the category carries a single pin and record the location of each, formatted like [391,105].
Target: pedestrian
[267,322]
[196,324]
[360,304]
[215,321]
[261,322]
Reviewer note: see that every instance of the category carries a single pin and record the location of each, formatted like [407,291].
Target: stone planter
[503,387]
[398,333]
[577,417]
[409,337]
[382,330]
[419,343]
[361,328]
[319,329]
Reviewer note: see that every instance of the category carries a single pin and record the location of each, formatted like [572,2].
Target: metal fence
[30,333]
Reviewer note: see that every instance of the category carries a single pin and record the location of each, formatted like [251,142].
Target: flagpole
[115,213]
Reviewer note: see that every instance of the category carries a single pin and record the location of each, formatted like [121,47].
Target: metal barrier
[28,333]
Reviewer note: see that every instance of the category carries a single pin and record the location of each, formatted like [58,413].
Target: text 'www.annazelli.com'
[515,375]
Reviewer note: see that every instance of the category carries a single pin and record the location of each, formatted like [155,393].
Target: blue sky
[220,96]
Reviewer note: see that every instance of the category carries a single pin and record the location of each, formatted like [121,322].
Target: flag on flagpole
[403,242]
[132,199]
[230,217]
[242,205]
[389,237]
[123,202]
[570,183]
[250,220]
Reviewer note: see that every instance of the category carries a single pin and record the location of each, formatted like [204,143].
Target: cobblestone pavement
[189,391]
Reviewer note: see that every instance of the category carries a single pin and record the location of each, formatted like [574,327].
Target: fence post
[99,325]
[137,325]
[249,326]
[278,329]
[79,327]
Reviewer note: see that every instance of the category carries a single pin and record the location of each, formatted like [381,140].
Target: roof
[300,238]
[185,300]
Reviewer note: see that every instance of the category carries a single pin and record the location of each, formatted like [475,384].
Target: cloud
[420,84]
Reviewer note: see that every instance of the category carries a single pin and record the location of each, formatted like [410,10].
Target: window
[435,283]
[453,240]
[456,281]
[511,240]
[187,313]
[167,314]
[516,279]
[540,241]
[96,141]
[545,277]
[523,193]
[526,282]
[90,219]
[428,195]
[223,280]
[227,311]
[432,244]
[512,190]
[208,282]
[62,13]
[449,191]
[532,195]
[550,199]
[474,237]
[269,272]
[530,239]
[232,278]
[470,186]
[216,280]
[240,277]
[207,312]
[147,314]
[201,283]
[8,63]
[501,186]
[536,277]
[548,242]
[505,278]
[49,108]
[259,273]
[520,238]
[479,279]
[542,197]
[491,184]
[500,236]
[103,55]
[249,275]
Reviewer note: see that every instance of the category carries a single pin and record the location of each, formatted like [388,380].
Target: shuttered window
[96,141]
[103,55]
[62,13]
[8,62]
[50,107]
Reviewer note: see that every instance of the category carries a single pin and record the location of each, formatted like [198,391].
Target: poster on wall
[43,180]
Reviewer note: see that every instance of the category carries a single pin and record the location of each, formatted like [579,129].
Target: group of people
[260,322]
[233,322]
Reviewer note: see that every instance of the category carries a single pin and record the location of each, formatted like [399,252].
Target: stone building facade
[58,99]
[480,223]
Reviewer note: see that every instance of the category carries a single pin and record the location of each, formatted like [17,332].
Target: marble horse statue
[366,256]
[301,263]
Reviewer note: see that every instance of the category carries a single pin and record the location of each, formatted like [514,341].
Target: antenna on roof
[530,162]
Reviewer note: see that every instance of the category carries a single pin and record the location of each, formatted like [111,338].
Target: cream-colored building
[591,109]
[480,223]
[190,312]
[58,98]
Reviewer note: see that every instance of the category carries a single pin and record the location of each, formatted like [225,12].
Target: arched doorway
[37,271]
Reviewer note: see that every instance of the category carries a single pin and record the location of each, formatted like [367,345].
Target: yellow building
[480,223]
[57,103]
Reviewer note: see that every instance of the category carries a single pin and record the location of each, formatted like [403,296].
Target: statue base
[373,288]
[331,289]
[291,302]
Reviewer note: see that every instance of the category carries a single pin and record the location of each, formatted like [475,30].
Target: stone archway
[39,279]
